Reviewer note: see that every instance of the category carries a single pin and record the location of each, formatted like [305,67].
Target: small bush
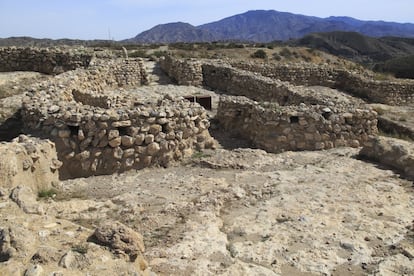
[277,57]
[159,53]
[138,54]
[259,54]
[47,193]
[199,155]
[285,52]
[80,248]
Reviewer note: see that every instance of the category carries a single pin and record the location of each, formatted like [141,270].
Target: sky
[121,19]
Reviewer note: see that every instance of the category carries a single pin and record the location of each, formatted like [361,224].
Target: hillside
[267,26]
[173,32]
[358,47]
[386,54]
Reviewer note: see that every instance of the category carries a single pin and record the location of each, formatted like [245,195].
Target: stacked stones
[399,92]
[276,128]
[184,72]
[48,61]
[257,87]
[99,131]
[297,117]
[298,74]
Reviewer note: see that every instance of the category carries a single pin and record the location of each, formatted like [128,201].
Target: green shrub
[259,54]
[159,53]
[80,248]
[138,54]
[277,57]
[47,193]
[285,52]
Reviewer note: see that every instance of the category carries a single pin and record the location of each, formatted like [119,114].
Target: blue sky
[120,19]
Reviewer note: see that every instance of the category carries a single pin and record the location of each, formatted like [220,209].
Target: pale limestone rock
[26,199]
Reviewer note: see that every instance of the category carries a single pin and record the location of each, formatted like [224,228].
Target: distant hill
[267,26]
[358,47]
[385,54]
[26,41]
[174,32]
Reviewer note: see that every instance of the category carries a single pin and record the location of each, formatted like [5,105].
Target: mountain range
[267,26]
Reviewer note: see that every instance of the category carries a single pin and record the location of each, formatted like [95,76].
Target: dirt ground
[246,212]
[14,83]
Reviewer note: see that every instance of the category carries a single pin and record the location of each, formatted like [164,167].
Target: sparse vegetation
[80,248]
[276,57]
[259,54]
[285,52]
[200,154]
[49,193]
[138,54]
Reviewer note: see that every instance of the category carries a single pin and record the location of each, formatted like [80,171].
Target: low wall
[47,61]
[99,129]
[209,73]
[399,92]
[238,82]
[183,72]
[276,128]
[391,152]
[28,161]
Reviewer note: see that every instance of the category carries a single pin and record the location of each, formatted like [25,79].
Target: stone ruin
[279,116]
[47,61]
[101,127]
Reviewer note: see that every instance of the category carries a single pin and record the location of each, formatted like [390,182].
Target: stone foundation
[284,116]
[211,72]
[399,92]
[47,61]
[277,128]
[183,72]
[228,80]
[100,129]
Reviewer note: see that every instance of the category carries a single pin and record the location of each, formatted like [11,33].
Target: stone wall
[183,72]
[209,73]
[99,129]
[278,116]
[399,92]
[47,61]
[277,128]
[28,161]
[232,81]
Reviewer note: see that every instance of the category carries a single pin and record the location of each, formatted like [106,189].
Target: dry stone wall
[388,92]
[279,116]
[100,129]
[277,128]
[183,72]
[238,82]
[47,61]
[209,73]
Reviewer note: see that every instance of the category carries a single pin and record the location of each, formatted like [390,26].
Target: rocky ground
[230,211]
